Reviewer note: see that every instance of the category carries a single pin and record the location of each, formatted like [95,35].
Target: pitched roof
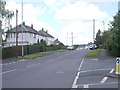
[43,33]
[25,29]
[57,41]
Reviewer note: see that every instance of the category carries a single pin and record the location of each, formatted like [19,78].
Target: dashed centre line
[9,71]
[33,65]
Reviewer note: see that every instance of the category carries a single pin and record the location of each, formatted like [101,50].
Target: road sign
[118,66]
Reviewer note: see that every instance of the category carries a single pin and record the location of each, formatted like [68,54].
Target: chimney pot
[31,25]
[42,29]
[24,23]
[46,31]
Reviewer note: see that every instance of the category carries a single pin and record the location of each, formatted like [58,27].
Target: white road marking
[95,59]
[9,71]
[33,65]
[74,85]
[9,63]
[104,79]
[95,70]
[50,60]
[112,71]
[5,64]
[99,83]
[60,72]
[86,86]
[13,62]
[80,65]
[23,60]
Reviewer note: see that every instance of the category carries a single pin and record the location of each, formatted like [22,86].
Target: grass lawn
[93,54]
[33,56]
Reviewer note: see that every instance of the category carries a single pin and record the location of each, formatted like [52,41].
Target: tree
[5,17]
[111,38]
[98,39]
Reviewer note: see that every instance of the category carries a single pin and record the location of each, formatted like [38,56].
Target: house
[57,42]
[27,35]
[49,39]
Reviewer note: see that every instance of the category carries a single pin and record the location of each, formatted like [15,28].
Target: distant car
[86,47]
[70,47]
[92,46]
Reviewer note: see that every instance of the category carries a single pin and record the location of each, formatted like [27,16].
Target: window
[14,34]
[34,35]
[11,35]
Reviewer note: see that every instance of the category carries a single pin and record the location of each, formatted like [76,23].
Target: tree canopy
[110,39]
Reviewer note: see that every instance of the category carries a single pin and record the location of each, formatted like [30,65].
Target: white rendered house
[28,37]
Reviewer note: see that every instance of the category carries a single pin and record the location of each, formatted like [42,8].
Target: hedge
[9,52]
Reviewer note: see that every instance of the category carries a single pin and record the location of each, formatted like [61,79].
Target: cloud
[80,11]
[31,14]
[76,15]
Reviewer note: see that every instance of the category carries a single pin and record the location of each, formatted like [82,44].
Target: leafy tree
[98,39]
[111,38]
[5,16]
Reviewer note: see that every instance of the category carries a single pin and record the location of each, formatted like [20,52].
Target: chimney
[42,29]
[31,25]
[23,23]
[46,31]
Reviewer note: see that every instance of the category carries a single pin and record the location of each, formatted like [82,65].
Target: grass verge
[61,50]
[33,56]
[93,54]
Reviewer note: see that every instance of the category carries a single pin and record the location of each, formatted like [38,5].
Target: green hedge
[28,49]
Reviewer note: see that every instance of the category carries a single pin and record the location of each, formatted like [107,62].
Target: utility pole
[67,39]
[22,31]
[93,30]
[16,33]
[72,38]
[103,25]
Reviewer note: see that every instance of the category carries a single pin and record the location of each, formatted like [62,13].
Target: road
[53,71]
[67,69]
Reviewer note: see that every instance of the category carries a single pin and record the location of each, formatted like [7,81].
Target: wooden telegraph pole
[16,33]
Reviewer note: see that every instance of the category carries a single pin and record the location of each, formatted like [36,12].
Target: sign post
[117,66]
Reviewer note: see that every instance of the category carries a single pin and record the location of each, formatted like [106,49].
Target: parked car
[70,47]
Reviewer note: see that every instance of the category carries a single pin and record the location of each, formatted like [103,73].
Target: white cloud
[77,16]
[80,11]
[30,15]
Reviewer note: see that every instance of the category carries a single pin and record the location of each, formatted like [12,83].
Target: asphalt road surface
[52,71]
[67,69]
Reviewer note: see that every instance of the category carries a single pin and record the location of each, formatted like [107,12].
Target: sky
[63,17]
